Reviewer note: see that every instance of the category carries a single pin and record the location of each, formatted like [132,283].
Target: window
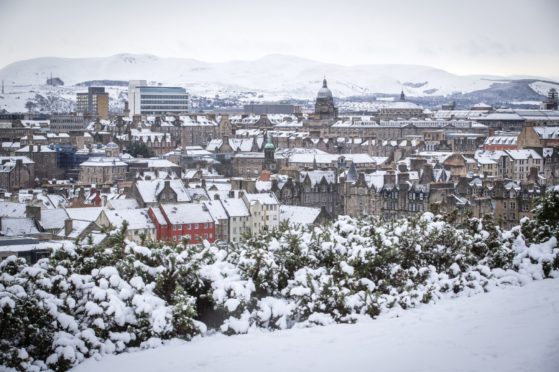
[196,226]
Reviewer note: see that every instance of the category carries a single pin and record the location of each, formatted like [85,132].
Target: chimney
[533,175]
[216,196]
[403,177]
[68,227]
[390,178]
[231,193]
[427,175]
[32,211]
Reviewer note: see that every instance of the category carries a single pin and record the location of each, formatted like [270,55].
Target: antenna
[2,86]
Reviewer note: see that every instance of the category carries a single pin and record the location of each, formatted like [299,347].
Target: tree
[30,106]
[139,149]
[545,223]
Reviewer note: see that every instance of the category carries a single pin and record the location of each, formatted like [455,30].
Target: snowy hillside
[513,329]
[276,76]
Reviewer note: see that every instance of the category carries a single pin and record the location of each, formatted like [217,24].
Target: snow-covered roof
[375,179]
[298,215]
[510,140]
[523,154]
[18,226]
[179,214]
[262,198]
[85,214]
[150,189]
[503,116]
[137,218]
[547,132]
[11,209]
[159,218]
[331,159]
[53,218]
[316,176]
[36,148]
[122,204]
[486,161]
[103,162]
[154,163]
[78,227]
[216,209]
[197,120]
[235,207]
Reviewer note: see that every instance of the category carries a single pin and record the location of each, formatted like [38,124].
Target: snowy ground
[513,329]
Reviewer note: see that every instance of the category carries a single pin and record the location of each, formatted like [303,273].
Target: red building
[173,222]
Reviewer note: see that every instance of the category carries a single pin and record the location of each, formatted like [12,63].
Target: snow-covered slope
[512,329]
[276,75]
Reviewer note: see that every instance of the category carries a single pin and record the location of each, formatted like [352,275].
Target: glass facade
[158,100]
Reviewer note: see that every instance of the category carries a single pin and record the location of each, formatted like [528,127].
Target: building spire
[2,86]
[324,83]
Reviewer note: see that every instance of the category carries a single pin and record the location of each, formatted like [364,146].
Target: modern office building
[156,100]
[95,102]
[63,123]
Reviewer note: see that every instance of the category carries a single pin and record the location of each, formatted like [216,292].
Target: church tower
[324,106]
[269,152]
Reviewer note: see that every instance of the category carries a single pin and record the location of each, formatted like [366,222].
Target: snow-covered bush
[89,300]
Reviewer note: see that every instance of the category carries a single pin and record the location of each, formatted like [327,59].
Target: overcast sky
[502,37]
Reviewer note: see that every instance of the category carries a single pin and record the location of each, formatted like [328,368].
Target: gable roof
[150,190]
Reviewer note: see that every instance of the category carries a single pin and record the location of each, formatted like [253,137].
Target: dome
[269,144]
[112,145]
[324,92]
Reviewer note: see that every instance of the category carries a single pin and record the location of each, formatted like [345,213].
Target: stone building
[315,188]
[102,171]
[44,156]
[248,164]
[152,192]
[159,143]
[198,130]
[538,136]
[324,105]
[16,172]
[401,110]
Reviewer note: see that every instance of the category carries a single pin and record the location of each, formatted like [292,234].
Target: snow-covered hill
[513,329]
[278,76]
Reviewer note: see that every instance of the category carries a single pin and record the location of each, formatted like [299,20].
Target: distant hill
[276,76]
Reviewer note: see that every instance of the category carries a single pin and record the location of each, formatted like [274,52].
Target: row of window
[189,226]
[156,107]
[164,102]
[165,96]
